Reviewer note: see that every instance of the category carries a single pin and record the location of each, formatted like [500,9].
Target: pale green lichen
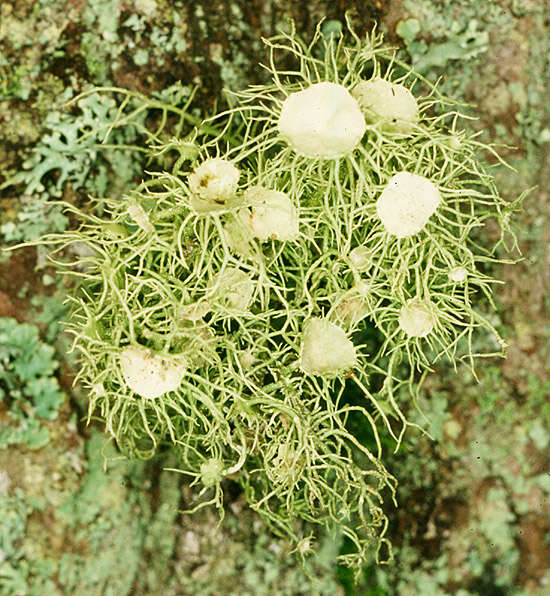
[259,287]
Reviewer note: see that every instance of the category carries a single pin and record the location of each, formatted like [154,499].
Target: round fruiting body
[246,359]
[360,258]
[391,105]
[458,274]
[234,288]
[151,375]
[211,472]
[273,216]
[407,203]
[213,182]
[326,349]
[238,235]
[192,312]
[322,121]
[138,214]
[416,318]
[354,305]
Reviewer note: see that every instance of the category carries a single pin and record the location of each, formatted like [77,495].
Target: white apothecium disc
[361,258]
[326,348]
[234,288]
[273,215]
[458,274]
[213,182]
[323,120]
[355,304]
[416,318]
[238,235]
[149,374]
[407,203]
[390,104]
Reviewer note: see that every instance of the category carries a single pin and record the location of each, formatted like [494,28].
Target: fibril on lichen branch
[225,303]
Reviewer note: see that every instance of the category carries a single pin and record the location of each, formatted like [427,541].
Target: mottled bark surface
[473,512]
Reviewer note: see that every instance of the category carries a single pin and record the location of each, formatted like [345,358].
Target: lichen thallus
[321,238]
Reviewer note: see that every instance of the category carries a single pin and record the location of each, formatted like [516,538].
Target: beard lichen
[284,270]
